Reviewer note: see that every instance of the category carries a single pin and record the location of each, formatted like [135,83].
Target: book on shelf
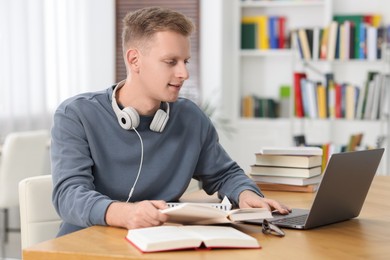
[309,36]
[362,34]
[362,41]
[253,106]
[378,85]
[304,43]
[368,99]
[338,99]
[321,101]
[273,31]
[309,98]
[298,101]
[330,95]
[332,99]
[295,43]
[297,161]
[354,36]
[356,20]
[201,213]
[385,98]
[291,150]
[286,187]
[342,44]
[371,44]
[371,104]
[351,97]
[248,36]
[169,238]
[285,171]
[381,34]
[281,32]
[324,44]
[263,32]
[248,104]
[261,22]
[354,142]
[332,41]
[316,43]
[296,181]
[368,93]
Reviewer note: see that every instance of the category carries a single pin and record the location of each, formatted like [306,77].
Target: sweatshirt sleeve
[74,195]
[218,172]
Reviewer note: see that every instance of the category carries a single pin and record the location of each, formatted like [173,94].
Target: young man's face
[163,66]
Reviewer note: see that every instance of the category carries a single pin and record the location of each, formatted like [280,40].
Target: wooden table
[366,237]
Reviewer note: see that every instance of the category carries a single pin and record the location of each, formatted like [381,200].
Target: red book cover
[282,32]
[338,97]
[368,19]
[298,94]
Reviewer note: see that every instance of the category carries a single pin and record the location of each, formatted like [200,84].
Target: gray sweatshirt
[95,161]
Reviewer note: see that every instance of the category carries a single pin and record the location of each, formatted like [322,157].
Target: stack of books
[288,168]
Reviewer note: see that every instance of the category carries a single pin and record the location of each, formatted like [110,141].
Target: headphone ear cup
[128,118]
[159,121]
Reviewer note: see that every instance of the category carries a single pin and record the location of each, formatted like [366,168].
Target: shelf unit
[253,72]
[262,72]
[256,68]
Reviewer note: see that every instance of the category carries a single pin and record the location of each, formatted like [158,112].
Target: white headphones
[128,117]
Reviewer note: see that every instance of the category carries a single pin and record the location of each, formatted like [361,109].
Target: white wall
[210,46]
[215,77]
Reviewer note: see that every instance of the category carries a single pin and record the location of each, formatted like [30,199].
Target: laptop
[341,193]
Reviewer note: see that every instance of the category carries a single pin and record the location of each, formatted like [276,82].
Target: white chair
[23,154]
[39,220]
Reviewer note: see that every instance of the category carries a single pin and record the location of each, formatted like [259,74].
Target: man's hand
[249,199]
[136,215]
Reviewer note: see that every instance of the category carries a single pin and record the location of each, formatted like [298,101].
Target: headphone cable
[140,165]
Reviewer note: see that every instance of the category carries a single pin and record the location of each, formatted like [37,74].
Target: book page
[224,205]
[162,238]
[189,213]
[222,236]
[238,215]
[201,214]
[249,213]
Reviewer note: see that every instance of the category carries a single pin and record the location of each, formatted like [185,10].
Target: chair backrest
[23,154]
[39,220]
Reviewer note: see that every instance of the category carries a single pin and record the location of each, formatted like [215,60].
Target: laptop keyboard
[297,220]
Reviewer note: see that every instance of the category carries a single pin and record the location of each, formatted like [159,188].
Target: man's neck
[128,95]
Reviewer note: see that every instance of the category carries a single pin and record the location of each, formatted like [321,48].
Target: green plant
[221,123]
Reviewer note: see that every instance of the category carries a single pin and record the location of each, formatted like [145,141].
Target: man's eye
[171,62]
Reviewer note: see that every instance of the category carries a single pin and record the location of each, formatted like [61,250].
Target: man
[118,155]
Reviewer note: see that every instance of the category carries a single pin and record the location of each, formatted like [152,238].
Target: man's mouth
[175,85]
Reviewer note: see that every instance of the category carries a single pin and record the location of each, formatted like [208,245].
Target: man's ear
[132,59]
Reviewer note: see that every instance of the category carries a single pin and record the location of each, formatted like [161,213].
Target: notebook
[341,194]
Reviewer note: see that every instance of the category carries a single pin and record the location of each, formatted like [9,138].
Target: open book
[166,238]
[209,213]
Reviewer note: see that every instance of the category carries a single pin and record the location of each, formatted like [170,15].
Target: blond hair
[141,25]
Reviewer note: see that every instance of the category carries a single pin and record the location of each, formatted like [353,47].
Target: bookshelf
[261,73]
